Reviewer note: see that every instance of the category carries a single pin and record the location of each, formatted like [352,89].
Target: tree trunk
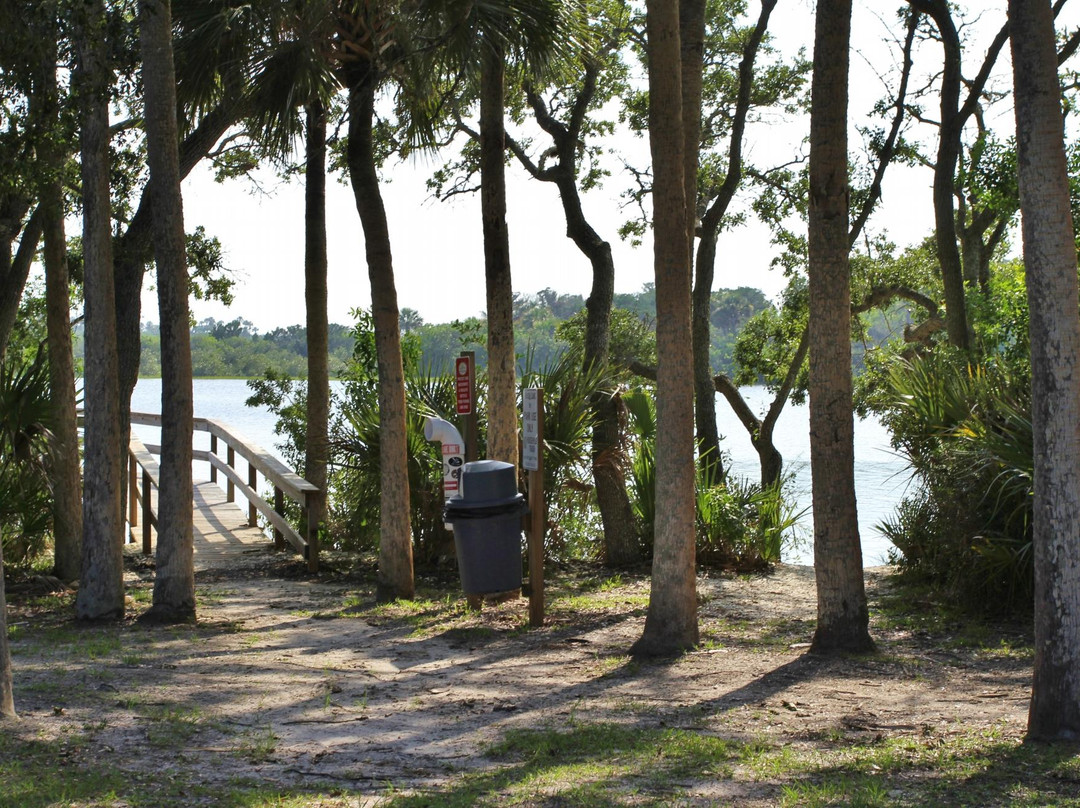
[502,378]
[948,154]
[1050,261]
[671,623]
[101,588]
[708,437]
[622,541]
[7,700]
[315,296]
[842,612]
[395,578]
[174,583]
[622,545]
[13,275]
[64,461]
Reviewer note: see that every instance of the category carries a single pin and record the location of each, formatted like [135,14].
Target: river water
[881,477]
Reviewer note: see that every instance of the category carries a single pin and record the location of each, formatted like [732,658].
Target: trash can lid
[486,482]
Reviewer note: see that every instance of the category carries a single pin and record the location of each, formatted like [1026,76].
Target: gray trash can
[487,527]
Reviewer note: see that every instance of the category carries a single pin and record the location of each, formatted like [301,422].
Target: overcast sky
[437,247]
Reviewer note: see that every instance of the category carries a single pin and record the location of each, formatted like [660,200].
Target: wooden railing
[144,476]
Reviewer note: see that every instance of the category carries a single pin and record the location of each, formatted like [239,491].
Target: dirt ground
[294,680]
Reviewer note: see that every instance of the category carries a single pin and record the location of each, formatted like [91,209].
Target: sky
[437,246]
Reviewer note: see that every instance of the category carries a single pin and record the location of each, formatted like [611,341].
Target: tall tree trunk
[843,617]
[1050,261]
[101,588]
[502,378]
[622,540]
[174,583]
[315,295]
[7,700]
[671,623]
[708,436]
[64,461]
[395,578]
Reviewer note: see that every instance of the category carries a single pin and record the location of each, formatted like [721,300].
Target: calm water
[880,476]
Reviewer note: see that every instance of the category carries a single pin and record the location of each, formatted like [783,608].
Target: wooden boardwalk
[221,528]
[224,529]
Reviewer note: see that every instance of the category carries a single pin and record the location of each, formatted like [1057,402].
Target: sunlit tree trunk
[101,588]
[1050,262]
[174,582]
[315,295]
[395,577]
[502,378]
[671,623]
[843,617]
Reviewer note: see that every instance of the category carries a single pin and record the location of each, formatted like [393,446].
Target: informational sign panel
[453,459]
[463,384]
[530,429]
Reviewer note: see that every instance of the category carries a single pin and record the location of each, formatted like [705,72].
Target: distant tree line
[543,327]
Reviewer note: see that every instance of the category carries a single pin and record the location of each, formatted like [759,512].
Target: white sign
[530,431]
[453,460]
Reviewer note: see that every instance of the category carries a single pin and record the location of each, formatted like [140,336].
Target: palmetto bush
[25,497]
[966,431]
[739,524]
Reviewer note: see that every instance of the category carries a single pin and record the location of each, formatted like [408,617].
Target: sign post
[532,460]
[465,390]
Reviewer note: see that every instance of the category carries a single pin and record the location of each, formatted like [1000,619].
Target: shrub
[25,496]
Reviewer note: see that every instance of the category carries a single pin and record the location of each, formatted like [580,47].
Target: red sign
[464,385]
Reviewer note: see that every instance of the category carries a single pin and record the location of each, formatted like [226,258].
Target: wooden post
[470,431]
[253,480]
[533,462]
[147,512]
[312,534]
[230,489]
[133,500]
[213,450]
[279,508]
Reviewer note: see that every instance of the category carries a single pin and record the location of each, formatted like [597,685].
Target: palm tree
[368,34]
[671,624]
[1050,261]
[174,583]
[101,588]
[842,611]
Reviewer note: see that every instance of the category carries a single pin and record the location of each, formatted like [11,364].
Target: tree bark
[502,377]
[101,589]
[315,296]
[708,437]
[622,544]
[14,274]
[395,577]
[174,582]
[1050,261]
[671,623]
[64,461]
[7,700]
[842,611]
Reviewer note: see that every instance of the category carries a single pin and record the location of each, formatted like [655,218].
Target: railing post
[312,533]
[147,512]
[213,450]
[133,485]
[230,489]
[253,480]
[279,508]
